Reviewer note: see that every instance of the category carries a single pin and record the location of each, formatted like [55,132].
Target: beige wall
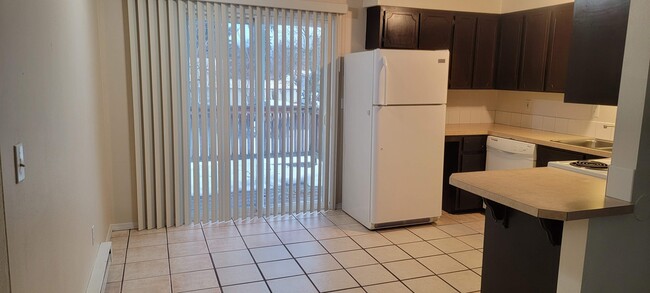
[487,6]
[115,74]
[50,101]
[517,5]
[4,259]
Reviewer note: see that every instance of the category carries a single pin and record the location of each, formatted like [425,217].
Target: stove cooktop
[597,168]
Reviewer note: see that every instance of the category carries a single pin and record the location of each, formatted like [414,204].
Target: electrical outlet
[19,160]
[92,232]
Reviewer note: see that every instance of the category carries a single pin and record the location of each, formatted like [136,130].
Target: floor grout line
[300,220]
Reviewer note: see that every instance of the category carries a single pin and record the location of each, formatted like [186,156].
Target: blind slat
[191,6]
[236,105]
[226,157]
[259,114]
[300,201]
[283,133]
[292,148]
[166,118]
[185,102]
[202,120]
[266,134]
[276,120]
[177,163]
[212,118]
[243,102]
[137,109]
[146,113]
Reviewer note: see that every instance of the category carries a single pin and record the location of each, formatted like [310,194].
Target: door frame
[5,280]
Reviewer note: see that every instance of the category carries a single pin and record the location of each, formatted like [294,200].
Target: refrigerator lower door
[407,158]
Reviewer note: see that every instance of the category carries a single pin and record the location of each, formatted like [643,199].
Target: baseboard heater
[100,269]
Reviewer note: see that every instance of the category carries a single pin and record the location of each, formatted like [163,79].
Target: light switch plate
[19,160]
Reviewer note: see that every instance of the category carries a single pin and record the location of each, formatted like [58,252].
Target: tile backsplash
[471,106]
[543,111]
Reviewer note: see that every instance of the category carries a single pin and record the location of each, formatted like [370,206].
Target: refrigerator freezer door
[406,77]
[407,152]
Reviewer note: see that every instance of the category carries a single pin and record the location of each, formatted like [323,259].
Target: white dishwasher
[504,154]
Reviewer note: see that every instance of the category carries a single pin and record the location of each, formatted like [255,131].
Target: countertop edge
[533,211]
[503,131]
[619,207]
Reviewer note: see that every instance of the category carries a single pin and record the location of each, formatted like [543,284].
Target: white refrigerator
[393,136]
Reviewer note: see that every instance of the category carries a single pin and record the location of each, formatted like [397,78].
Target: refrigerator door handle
[383,88]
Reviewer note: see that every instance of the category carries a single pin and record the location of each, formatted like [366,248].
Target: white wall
[50,101]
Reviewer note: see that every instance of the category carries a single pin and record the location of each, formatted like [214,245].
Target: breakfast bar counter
[536,226]
[547,193]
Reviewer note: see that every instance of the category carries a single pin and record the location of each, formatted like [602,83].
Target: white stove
[596,172]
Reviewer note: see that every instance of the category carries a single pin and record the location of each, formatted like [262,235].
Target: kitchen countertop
[538,137]
[547,193]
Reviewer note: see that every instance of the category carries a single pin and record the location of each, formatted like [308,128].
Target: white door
[408,144]
[407,77]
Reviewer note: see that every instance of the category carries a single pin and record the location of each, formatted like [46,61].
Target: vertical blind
[234,109]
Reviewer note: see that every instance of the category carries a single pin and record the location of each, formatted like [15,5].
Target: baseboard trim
[99,275]
[119,227]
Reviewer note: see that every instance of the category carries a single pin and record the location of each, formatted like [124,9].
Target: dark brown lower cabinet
[548,154]
[462,154]
[521,253]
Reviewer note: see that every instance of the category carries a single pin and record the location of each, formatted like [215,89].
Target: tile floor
[317,252]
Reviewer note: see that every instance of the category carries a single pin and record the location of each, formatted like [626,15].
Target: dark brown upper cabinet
[596,55]
[473,55]
[392,28]
[534,49]
[509,51]
[401,29]
[435,30]
[462,54]
[559,42]
[485,51]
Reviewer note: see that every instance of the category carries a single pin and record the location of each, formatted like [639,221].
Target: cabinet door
[597,46]
[462,55]
[533,50]
[401,29]
[468,200]
[451,165]
[558,47]
[374,24]
[435,30]
[487,30]
[473,162]
[509,51]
